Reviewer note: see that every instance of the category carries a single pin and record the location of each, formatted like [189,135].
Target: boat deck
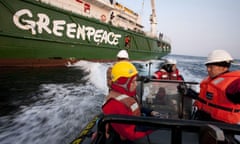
[179,131]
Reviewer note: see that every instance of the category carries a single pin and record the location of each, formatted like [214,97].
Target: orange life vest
[213,99]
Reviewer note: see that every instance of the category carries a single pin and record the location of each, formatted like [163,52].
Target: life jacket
[128,101]
[162,74]
[213,99]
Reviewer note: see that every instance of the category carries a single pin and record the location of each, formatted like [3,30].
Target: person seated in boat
[161,98]
[218,99]
[168,71]
[122,100]
[121,55]
[157,100]
[165,103]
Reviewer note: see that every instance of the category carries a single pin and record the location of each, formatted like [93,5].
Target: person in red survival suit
[218,99]
[168,71]
[122,100]
[127,41]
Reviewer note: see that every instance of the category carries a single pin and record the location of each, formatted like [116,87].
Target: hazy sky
[195,27]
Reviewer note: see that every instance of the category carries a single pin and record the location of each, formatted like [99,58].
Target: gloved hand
[192,93]
[182,89]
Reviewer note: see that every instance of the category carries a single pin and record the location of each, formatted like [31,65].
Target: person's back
[121,100]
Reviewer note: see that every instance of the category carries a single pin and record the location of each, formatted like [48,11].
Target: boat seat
[163,136]
[211,135]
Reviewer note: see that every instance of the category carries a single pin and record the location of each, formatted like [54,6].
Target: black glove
[192,93]
[182,89]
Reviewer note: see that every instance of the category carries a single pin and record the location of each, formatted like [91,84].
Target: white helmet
[170,61]
[219,56]
[123,54]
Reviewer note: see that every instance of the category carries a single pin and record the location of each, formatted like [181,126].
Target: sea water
[52,105]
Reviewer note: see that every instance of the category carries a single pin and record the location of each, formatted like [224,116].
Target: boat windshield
[163,96]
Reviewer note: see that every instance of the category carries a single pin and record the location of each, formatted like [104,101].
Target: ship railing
[66,5]
[76,7]
[164,38]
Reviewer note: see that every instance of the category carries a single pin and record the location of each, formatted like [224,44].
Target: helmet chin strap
[125,85]
[123,88]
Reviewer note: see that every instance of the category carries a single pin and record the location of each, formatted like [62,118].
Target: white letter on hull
[81,31]
[29,24]
[105,37]
[71,30]
[110,38]
[90,32]
[58,27]
[98,35]
[43,23]
[116,38]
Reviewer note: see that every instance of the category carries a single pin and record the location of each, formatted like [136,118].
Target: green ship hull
[36,34]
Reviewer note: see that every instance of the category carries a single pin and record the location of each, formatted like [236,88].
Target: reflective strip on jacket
[213,99]
[124,105]
[162,74]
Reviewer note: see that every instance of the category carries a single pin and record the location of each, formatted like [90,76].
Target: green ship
[62,32]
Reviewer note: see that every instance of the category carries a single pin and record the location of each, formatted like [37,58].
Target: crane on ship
[153,20]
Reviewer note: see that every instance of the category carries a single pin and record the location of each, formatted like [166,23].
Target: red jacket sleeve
[157,74]
[125,130]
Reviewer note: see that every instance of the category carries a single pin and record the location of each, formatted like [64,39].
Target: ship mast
[153,20]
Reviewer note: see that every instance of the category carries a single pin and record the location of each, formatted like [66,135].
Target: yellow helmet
[123,69]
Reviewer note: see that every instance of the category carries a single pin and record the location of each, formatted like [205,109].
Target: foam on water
[60,111]
[97,75]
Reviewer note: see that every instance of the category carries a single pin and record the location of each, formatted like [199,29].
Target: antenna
[142,9]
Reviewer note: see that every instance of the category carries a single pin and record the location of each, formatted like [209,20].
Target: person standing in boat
[121,56]
[219,92]
[122,100]
[168,71]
